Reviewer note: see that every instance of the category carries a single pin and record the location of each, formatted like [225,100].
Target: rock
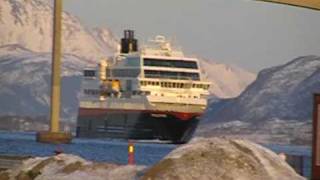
[221,158]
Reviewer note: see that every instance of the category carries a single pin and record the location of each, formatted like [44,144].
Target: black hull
[136,125]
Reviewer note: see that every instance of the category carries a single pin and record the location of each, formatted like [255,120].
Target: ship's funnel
[129,43]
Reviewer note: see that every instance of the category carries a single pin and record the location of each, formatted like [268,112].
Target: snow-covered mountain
[29,24]
[227,81]
[105,38]
[283,92]
[25,82]
[281,96]
[25,57]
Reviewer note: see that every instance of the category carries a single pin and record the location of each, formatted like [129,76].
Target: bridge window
[89,73]
[125,72]
[171,75]
[170,63]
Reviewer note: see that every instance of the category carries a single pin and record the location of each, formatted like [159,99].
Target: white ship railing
[177,100]
[152,103]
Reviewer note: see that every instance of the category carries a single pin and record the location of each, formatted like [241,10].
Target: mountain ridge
[279,101]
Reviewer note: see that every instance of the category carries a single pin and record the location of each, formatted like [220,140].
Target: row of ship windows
[170,63]
[174,85]
[113,94]
[148,74]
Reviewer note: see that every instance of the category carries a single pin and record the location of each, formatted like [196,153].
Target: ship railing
[164,105]
[179,108]
[119,104]
[177,100]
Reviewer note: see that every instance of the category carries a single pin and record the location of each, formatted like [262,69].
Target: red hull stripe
[98,111]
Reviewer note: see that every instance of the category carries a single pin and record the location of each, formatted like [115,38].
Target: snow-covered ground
[221,158]
[70,167]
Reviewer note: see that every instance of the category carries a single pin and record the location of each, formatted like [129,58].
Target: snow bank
[219,158]
[69,167]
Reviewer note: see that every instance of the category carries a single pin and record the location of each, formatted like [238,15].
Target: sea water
[113,151]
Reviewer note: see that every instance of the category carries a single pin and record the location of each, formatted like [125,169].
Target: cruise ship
[150,93]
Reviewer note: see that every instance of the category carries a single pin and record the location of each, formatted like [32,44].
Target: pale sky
[252,35]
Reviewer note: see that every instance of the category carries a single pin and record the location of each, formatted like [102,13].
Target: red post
[130,153]
[58,150]
[315,175]
[302,165]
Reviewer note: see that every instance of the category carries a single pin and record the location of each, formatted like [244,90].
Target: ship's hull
[175,127]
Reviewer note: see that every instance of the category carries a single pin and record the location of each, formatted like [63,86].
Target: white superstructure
[156,76]
[155,92]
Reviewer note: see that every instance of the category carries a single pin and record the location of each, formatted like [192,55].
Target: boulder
[222,158]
